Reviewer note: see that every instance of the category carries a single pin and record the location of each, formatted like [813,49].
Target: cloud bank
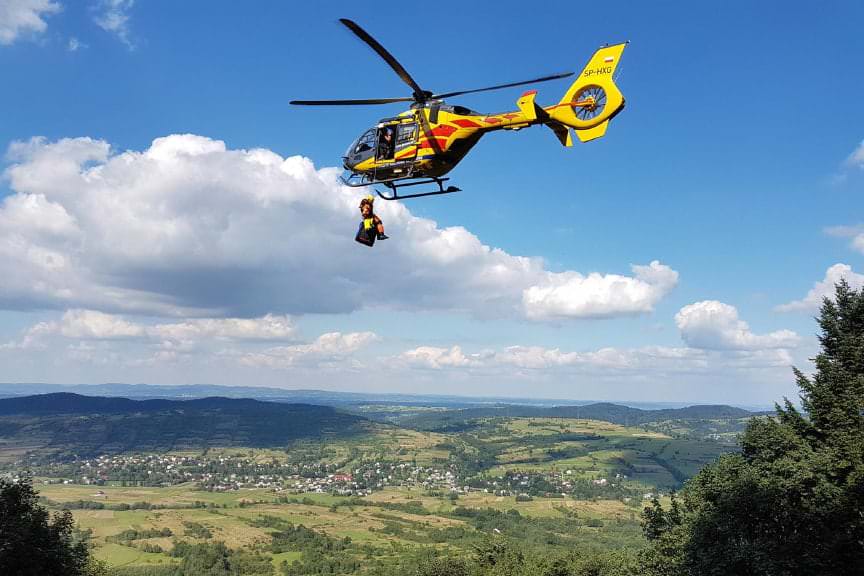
[269,349]
[232,341]
[620,365]
[189,228]
[717,341]
[94,325]
[333,349]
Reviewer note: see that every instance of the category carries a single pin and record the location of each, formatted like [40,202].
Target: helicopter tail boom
[593,99]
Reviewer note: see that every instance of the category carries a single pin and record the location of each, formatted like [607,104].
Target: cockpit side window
[386,142]
[407,134]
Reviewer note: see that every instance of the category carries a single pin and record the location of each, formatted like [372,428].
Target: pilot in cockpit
[386,143]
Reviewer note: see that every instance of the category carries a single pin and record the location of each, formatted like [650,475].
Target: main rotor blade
[419,94]
[349,102]
[534,81]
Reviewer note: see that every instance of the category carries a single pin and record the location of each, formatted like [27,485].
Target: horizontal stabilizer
[592,133]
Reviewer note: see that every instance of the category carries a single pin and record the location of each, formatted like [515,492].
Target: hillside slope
[84,425]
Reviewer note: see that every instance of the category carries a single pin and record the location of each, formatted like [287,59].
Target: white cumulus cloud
[715,338]
[435,358]
[19,17]
[267,327]
[714,325]
[329,348]
[94,325]
[80,325]
[190,228]
[824,289]
[572,295]
[90,324]
[647,363]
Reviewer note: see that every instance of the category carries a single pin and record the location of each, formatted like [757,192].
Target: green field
[390,521]
[363,524]
[590,449]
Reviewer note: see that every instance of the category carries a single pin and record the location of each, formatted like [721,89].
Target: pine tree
[834,397]
[792,502]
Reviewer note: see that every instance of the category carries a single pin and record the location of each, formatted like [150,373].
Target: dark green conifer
[792,502]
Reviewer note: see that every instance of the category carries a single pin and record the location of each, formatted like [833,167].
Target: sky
[166,216]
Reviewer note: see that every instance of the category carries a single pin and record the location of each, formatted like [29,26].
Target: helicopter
[421,145]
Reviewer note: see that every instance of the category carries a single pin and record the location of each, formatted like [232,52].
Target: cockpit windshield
[461,110]
[364,143]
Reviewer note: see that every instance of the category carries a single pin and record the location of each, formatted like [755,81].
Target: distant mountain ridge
[69,403]
[308,396]
[605,411]
[87,425]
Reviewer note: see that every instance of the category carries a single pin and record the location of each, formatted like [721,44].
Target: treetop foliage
[792,502]
[33,542]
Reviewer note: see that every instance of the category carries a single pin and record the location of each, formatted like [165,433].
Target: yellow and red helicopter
[421,145]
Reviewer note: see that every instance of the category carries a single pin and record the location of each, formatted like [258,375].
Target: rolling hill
[85,425]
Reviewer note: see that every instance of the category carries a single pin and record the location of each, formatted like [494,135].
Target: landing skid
[394,187]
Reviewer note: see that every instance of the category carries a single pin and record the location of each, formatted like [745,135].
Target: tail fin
[593,99]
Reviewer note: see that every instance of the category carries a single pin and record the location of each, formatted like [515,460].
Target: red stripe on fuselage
[443,130]
[442,143]
[465,123]
[406,153]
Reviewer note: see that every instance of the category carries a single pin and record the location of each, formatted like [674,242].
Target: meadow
[406,516]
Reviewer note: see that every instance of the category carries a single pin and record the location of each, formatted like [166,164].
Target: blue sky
[134,253]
